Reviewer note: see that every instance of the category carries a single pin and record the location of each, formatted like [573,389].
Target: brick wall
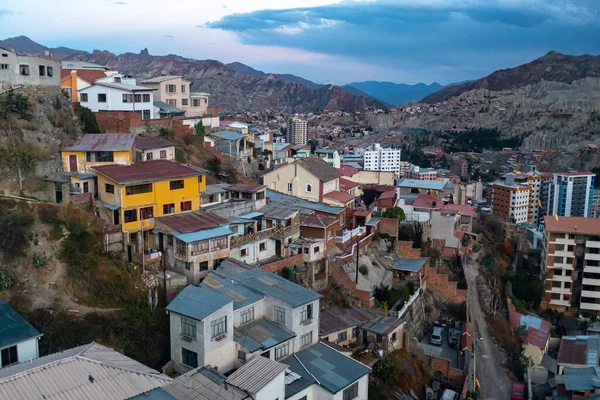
[131,122]
[346,258]
[437,364]
[405,250]
[388,226]
[341,277]
[281,264]
[84,199]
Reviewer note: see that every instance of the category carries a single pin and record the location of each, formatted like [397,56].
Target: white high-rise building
[378,158]
[298,131]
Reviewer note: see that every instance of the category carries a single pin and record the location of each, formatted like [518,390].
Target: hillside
[24,44]
[554,67]
[396,93]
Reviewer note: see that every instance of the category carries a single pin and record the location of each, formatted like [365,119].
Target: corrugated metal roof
[306,380]
[227,135]
[342,197]
[299,204]
[538,330]
[13,328]
[421,184]
[202,235]
[372,222]
[215,188]
[148,171]
[277,211]
[198,302]
[251,215]
[167,108]
[409,265]
[383,325]
[333,370]
[576,350]
[317,221]
[194,221]
[333,318]
[104,142]
[268,334]
[87,372]
[245,187]
[256,374]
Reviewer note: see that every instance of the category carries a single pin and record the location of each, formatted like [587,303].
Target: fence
[350,233]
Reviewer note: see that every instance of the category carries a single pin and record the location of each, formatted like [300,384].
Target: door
[73,163]
[278,248]
[86,187]
[116,217]
[129,253]
[365,337]
[59,193]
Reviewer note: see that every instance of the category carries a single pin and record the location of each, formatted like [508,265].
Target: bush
[395,212]
[166,133]
[88,120]
[39,260]
[79,249]
[6,281]
[363,269]
[15,103]
[386,370]
[15,233]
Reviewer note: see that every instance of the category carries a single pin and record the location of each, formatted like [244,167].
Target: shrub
[166,133]
[386,370]
[79,248]
[39,260]
[87,119]
[15,234]
[6,281]
[363,269]
[15,103]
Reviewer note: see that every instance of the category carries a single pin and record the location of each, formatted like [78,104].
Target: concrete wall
[114,100]
[11,76]
[299,178]
[272,390]
[155,153]
[373,177]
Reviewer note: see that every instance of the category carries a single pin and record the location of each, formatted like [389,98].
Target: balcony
[589,306]
[556,302]
[562,278]
[187,338]
[592,244]
[349,234]
[275,232]
[589,293]
[592,256]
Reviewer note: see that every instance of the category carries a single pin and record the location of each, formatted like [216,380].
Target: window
[204,266]
[168,209]
[186,206]
[188,327]
[127,98]
[49,71]
[147,212]
[232,228]
[24,69]
[307,313]
[138,189]
[83,97]
[342,336]
[175,185]
[137,98]
[130,215]
[184,102]
[394,336]
[305,250]
[189,358]
[279,314]
[146,98]
[262,246]
[306,339]
[289,187]
[220,243]
[181,247]
[169,240]
[42,69]
[108,188]
[163,154]
[241,355]
[172,102]
[148,156]
[355,332]
[117,79]
[101,97]
[200,247]
[9,356]
[218,327]
[3,66]
[244,252]
[351,392]
[316,249]
[282,351]
[99,156]
[195,103]
[171,88]
[308,187]
[247,315]
[182,88]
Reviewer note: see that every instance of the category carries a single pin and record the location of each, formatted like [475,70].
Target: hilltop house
[112,96]
[17,70]
[18,339]
[175,91]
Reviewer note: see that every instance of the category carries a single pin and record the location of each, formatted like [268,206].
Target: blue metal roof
[13,328]
[280,146]
[421,184]
[326,151]
[202,235]
[198,302]
[353,165]
[242,296]
[372,222]
[305,381]
[296,202]
[333,370]
[252,215]
[228,135]
[262,334]
[406,264]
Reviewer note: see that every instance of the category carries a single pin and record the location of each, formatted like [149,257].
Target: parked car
[453,336]
[518,392]
[437,336]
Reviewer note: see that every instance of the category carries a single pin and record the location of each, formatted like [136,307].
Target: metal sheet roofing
[345,184]
[298,385]
[104,142]
[251,215]
[198,302]
[256,374]
[298,203]
[421,184]
[383,325]
[245,187]
[341,197]
[194,221]
[277,211]
[148,171]
[122,86]
[227,135]
[86,372]
[408,265]
[264,332]
[202,235]
[578,350]
[333,318]
[538,330]
[13,328]
[317,221]
[167,108]
[372,222]
[319,168]
[216,189]
[333,370]
[232,272]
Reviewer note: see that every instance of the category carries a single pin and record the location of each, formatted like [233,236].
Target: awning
[111,206]
[252,215]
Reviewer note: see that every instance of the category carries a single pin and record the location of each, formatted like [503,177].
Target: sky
[326,41]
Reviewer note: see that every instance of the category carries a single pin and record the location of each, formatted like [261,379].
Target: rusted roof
[575,225]
[574,350]
[146,143]
[333,318]
[538,330]
[277,211]
[317,221]
[342,197]
[388,195]
[104,142]
[362,213]
[346,170]
[245,187]
[464,210]
[427,201]
[192,222]
[148,171]
[319,168]
[346,185]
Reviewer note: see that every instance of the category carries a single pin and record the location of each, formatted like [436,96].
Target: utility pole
[357,243]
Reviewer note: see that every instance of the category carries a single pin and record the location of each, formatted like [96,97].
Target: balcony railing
[349,234]
[275,232]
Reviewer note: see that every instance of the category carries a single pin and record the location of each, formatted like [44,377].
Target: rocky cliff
[553,67]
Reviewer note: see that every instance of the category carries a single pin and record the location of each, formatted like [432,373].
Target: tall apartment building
[511,200]
[534,180]
[570,194]
[460,168]
[378,158]
[297,131]
[571,264]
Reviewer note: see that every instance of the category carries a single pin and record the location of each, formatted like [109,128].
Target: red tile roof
[87,75]
[538,330]
[348,171]
[464,210]
[342,197]
[575,225]
[148,171]
[346,185]
[388,195]
[427,201]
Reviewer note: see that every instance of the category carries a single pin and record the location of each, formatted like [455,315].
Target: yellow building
[94,150]
[136,194]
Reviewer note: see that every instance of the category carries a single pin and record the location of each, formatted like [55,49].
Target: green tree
[386,370]
[200,130]
[87,119]
[15,233]
[395,212]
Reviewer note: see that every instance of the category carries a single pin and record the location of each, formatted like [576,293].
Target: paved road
[494,382]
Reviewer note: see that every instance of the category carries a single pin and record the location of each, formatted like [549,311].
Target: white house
[111,96]
[17,70]
[18,339]
[150,148]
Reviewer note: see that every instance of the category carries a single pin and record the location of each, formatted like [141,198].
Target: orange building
[511,201]
[73,80]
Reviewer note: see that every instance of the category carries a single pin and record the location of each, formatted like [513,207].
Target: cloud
[169,36]
[6,12]
[462,39]
[120,3]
